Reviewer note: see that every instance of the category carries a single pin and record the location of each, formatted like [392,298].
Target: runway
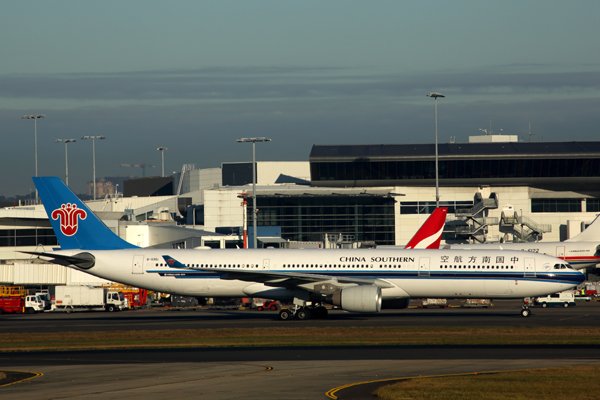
[273,372]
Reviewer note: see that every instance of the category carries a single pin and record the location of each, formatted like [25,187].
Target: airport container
[441,303]
[485,303]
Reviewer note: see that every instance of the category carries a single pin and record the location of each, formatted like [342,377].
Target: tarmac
[271,372]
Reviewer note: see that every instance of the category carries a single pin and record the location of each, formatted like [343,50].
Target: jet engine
[358,299]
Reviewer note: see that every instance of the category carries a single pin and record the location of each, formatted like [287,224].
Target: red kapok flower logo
[68,218]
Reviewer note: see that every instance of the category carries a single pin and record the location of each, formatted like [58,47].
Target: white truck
[565,299]
[79,298]
[46,299]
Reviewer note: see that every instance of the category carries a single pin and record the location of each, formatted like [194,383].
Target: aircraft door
[138,265]
[423,266]
[266,264]
[529,266]
[560,252]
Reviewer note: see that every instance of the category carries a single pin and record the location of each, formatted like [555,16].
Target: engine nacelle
[395,304]
[358,299]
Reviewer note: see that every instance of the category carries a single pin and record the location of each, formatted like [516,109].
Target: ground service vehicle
[565,299]
[46,299]
[76,298]
[14,300]
[268,305]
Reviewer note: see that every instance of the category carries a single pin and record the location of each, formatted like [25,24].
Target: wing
[279,279]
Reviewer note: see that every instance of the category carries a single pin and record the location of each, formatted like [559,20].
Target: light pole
[437,186]
[162,150]
[66,157]
[34,118]
[94,156]
[253,141]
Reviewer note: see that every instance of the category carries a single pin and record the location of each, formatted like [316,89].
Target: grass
[300,336]
[579,383]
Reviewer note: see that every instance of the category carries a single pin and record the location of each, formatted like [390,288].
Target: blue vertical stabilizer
[75,226]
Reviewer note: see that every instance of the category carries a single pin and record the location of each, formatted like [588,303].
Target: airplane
[430,234]
[581,251]
[355,280]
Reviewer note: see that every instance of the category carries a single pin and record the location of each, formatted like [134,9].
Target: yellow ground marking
[265,368]
[37,375]
[331,393]
[577,316]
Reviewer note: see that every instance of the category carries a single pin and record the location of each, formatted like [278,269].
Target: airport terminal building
[349,196]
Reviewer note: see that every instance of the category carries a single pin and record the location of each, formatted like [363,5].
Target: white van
[565,299]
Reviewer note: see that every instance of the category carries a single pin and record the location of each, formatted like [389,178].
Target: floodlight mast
[253,141]
[437,186]
[94,156]
[66,157]
[162,150]
[35,117]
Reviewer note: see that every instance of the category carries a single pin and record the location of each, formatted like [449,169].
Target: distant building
[148,186]
[107,185]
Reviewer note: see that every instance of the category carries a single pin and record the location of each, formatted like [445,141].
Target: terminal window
[592,205]
[555,205]
[427,207]
[27,237]
[309,218]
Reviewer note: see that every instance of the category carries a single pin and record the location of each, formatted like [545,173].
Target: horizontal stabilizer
[81,260]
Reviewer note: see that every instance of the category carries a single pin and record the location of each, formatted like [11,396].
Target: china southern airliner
[356,280]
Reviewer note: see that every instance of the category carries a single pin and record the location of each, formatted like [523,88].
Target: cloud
[245,84]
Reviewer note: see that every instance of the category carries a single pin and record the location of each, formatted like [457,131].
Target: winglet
[430,234]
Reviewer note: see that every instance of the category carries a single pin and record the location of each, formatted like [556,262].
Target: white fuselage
[406,273]
[578,254]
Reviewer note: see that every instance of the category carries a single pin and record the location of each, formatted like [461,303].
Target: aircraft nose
[580,277]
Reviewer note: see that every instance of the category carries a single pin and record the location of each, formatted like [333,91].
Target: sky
[193,76]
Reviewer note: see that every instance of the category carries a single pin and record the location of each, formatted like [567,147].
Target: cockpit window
[562,266]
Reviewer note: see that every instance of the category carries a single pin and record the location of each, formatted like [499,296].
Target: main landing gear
[303,313]
[525,311]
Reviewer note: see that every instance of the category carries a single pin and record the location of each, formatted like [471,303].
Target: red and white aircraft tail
[430,234]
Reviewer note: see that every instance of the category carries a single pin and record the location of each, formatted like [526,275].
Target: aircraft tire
[303,314]
[525,312]
[285,315]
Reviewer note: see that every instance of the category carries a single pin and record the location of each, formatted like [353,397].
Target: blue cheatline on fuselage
[566,278]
